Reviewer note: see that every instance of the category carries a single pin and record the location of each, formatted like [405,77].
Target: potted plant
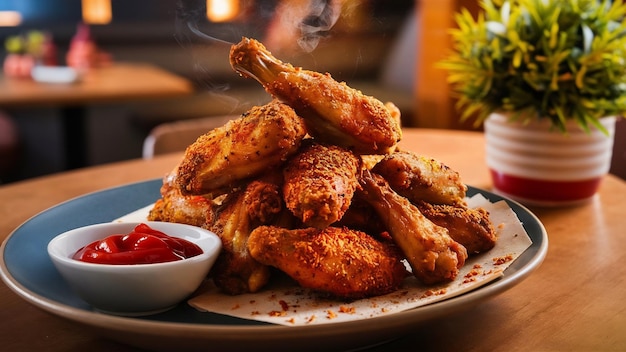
[546,79]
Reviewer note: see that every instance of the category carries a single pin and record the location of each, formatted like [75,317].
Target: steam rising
[301,22]
[323,15]
[279,24]
[193,27]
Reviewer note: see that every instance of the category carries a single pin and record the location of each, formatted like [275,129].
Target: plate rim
[252,332]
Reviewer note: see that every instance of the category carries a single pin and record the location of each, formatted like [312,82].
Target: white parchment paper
[286,303]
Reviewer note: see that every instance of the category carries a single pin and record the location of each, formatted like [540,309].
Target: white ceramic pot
[537,166]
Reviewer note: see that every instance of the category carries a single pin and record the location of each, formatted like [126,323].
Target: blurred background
[370,44]
[387,49]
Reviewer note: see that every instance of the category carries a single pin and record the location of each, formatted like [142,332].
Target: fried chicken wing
[333,112]
[314,185]
[339,262]
[418,178]
[173,206]
[235,271]
[433,255]
[262,138]
[320,182]
[363,217]
[470,227]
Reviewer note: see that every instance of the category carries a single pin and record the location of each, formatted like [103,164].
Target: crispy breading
[363,217]
[421,178]
[433,255]
[173,206]
[262,138]
[235,271]
[470,227]
[339,262]
[334,112]
[320,182]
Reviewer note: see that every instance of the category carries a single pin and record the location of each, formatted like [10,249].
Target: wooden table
[574,301]
[118,83]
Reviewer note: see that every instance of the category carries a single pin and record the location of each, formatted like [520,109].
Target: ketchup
[144,245]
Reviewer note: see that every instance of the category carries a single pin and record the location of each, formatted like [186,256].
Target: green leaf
[563,59]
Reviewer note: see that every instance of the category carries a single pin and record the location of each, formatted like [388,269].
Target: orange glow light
[10,18]
[97,11]
[221,10]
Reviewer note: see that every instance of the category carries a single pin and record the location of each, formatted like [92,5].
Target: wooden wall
[434,104]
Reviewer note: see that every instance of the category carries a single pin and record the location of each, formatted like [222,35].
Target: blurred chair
[618,163]
[10,148]
[176,136]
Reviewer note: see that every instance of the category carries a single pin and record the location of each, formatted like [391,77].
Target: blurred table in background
[120,82]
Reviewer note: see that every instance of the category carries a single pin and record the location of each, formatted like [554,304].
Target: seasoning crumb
[346,309]
[429,293]
[502,260]
[331,314]
[276,313]
[472,274]
[467,280]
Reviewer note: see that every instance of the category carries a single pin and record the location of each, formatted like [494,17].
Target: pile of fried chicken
[313,185]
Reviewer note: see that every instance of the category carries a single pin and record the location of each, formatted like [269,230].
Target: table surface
[115,83]
[574,301]
[118,83]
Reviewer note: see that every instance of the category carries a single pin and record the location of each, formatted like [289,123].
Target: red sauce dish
[144,245]
[134,268]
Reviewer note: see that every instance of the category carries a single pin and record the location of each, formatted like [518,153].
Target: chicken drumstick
[433,255]
[333,112]
[319,183]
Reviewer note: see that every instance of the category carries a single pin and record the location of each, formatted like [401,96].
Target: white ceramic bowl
[138,289]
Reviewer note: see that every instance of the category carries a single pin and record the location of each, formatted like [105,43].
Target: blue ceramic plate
[26,268]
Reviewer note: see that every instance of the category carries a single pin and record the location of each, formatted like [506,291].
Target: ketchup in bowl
[144,245]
